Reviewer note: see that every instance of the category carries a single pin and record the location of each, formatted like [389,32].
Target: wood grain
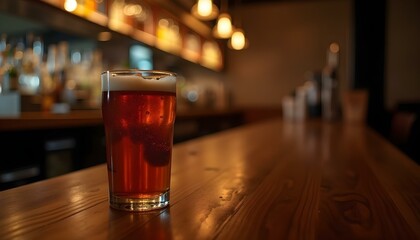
[354,205]
[271,180]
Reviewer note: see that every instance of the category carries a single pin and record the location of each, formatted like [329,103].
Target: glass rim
[137,71]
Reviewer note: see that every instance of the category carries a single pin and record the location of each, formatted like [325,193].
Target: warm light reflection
[70,5]
[332,54]
[117,18]
[164,23]
[168,35]
[132,9]
[104,36]
[211,55]
[192,47]
[224,26]
[334,47]
[76,197]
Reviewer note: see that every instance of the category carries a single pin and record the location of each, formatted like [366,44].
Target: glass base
[147,203]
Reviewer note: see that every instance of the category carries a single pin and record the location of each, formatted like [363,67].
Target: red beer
[139,138]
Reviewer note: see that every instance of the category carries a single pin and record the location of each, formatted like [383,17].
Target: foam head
[138,81]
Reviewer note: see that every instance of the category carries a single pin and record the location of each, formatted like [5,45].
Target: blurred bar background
[345,60]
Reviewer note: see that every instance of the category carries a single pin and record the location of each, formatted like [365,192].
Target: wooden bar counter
[47,120]
[269,180]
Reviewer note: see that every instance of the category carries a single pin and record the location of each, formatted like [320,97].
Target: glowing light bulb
[224,26]
[70,5]
[238,40]
[205,10]
[204,7]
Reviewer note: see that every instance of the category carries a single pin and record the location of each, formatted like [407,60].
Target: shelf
[171,38]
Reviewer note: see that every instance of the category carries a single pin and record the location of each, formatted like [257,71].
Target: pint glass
[138,109]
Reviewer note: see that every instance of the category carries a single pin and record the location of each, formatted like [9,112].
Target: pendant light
[70,5]
[223,28]
[205,10]
[238,40]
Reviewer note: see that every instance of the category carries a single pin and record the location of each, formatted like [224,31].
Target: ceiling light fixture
[223,28]
[205,10]
[238,40]
[70,5]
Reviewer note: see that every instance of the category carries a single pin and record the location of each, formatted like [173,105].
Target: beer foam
[138,83]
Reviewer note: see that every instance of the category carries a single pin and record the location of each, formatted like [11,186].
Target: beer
[139,115]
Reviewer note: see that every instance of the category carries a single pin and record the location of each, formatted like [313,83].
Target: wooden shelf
[211,59]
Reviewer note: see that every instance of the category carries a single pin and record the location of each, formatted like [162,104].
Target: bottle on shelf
[9,96]
[330,86]
[313,86]
[4,64]
[29,79]
[10,63]
[49,78]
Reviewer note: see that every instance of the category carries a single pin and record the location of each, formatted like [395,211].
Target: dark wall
[369,58]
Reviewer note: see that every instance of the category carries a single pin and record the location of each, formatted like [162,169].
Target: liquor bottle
[4,66]
[330,86]
[313,85]
[9,95]
[29,80]
[64,88]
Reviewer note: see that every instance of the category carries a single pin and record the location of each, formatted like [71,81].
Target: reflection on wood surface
[270,180]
